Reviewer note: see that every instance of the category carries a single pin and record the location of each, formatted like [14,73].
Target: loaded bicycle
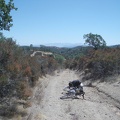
[74,90]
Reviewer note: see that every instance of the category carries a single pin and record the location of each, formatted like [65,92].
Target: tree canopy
[94,40]
[5,17]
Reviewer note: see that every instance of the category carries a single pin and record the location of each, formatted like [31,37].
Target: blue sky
[64,21]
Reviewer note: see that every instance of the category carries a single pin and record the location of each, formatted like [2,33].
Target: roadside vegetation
[98,63]
[19,73]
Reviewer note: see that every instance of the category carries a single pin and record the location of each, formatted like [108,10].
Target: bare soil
[97,105]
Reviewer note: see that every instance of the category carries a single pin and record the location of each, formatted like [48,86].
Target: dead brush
[24,91]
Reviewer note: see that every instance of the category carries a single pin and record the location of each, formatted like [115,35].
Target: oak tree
[94,40]
[5,17]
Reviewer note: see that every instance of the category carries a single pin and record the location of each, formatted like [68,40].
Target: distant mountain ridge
[68,45]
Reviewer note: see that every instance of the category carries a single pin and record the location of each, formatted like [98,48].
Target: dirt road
[49,106]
